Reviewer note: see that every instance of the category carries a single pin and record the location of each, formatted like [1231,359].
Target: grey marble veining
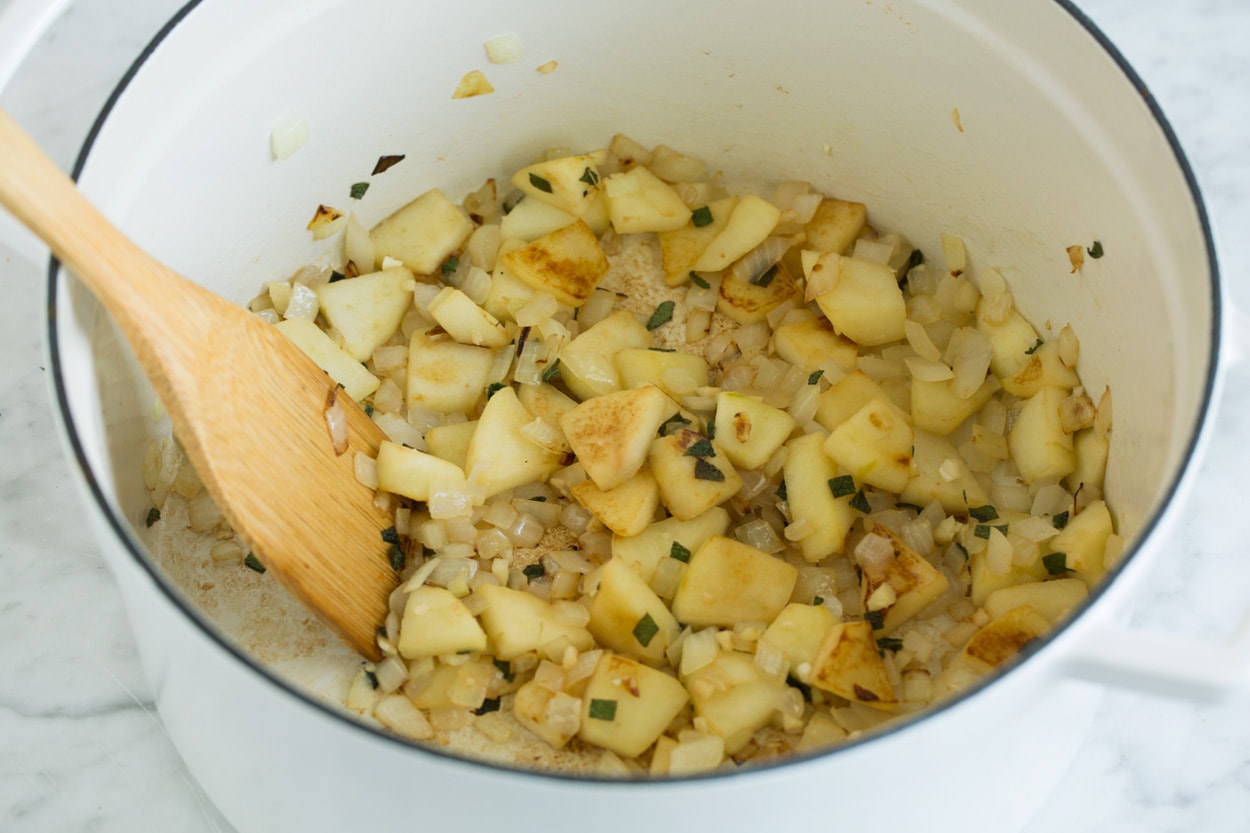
[81,748]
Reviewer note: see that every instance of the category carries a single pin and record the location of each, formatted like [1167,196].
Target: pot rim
[119,525]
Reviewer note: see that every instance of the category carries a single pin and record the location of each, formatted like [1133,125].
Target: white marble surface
[81,747]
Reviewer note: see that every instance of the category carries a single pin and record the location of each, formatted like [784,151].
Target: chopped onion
[874,553]
[760,534]
[752,336]
[288,135]
[504,49]
[540,307]
[302,303]
[398,430]
[525,531]
[366,469]
[698,650]
[925,370]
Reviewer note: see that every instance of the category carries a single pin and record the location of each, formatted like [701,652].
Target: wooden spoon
[249,407]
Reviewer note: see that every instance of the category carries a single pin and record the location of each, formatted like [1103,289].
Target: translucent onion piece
[873,554]
[928,371]
[919,340]
[303,303]
[366,469]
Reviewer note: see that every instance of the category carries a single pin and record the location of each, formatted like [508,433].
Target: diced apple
[1003,638]
[465,321]
[1043,368]
[1038,443]
[435,622]
[500,456]
[845,398]
[680,249]
[507,293]
[752,220]
[451,442]
[936,407]
[567,263]
[874,446]
[1052,599]
[734,697]
[627,616]
[554,716]
[333,359]
[1010,340]
[985,581]
[807,473]
[676,373]
[730,582]
[423,233]
[835,225]
[1084,541]
[1091,450]
[749,430]
[639,201]
[645,550]
[914,582]
[940,474]
[611,434]
[811,344]
[570,183]
[587,365]
[691,484]
[446,376]
[627,508]
[518,622]
[798,632]
[866,304]
[849,665]
[531,219]
[628,705]
[366,310]
[411,473]
[673,166]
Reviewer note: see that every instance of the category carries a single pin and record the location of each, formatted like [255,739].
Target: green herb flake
[913,260]
[1095,251]
[602,709]
[662,349]
[672,423]
[711,429]
[253,563]
[984,513]
[358,189]
[490,704]
[680,552]
[781,492]
[1034,348]
[153,516]
[451,265]
[534,571]
[494,388]
[589,176]
[645,630]
[698,281]
[368,409]
[396,556]
[842,485]
[337,276]
[817,601]
[551,371]
[662,315]
[876,618]
[962,549]
[890,643]
[765,277]
[372,679]
[701,216]
[704,470]
[385,163]
[540,183]
[390,536]
[860,502]
[505,668]
[1059,521]
[701,448]
[982,531]
[815,376]
[1056,563]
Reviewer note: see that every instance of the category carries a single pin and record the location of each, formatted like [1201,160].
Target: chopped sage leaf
[534,571]
[672,423]
[154,515]
[711,430]
[876,618]
[781,492]
[645,630]
[1056,563]
[766,277]
[385,163]
[890,643]
[494,388]
[679,552]
[368,409]
[701,448]
[663,349]
[913,260]
[860,502]
[984,513]
[817,601]
[253,563]
[815,376]
[451,265]
[982,531]
[1095,251]
[662,315]
[699,281]
[505,668]
[390,536]
[396,556]
[1033,349]
[540,183]
[701,216]
[962,549]
[359,189]
[842,485]
[551,371]
[372,679]
[602,709]
[490,704]
[589,176]
[704,470]
[336,276]
[1059,521]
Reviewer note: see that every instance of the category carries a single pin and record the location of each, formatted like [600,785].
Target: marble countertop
[81,746]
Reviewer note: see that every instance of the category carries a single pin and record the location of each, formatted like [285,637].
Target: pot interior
[1008,124]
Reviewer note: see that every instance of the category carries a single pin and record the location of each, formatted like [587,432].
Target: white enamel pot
[1013,124]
